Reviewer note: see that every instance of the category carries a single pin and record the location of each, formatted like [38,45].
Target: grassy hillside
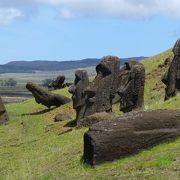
[34,147]
[154,88]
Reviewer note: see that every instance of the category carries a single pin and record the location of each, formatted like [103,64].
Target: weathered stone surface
[128,134]
[172,77]
[166,63]
[47,99]
[77,90]
[58,83]
[94,118]
[101,91]
[61,117]
[131,86]
[3,113]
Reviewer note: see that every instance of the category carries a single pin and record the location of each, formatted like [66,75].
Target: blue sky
[77,29]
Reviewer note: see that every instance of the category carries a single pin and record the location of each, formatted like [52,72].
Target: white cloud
[8,15]
[66,14]
[12,9]
[120,8]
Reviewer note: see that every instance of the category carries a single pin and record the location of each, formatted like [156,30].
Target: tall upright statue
[172,77]
[78,95]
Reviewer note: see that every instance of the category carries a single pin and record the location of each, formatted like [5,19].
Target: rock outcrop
[3,113]
[61,117]
[114,139]
[45,98]
[94,118]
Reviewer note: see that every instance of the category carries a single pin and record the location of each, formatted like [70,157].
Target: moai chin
[101,91]
[3,113]
[131,86]
[172,77]
[77,90]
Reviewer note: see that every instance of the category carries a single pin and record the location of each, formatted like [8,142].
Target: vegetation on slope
[154,88]
[34,147]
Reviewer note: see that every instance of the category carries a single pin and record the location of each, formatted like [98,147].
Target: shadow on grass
[39,112]
[71,124]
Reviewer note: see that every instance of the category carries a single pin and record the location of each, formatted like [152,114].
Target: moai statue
[131,86]
[3,113]
[45,98]
[102,90]
[58,83]
[77,90]
[172,77]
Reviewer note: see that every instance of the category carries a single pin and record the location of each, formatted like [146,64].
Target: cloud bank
[68,9]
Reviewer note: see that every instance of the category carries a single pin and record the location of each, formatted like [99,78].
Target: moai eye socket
[103,70]
[77,79]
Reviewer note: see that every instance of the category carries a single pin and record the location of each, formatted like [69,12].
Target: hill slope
[33,146]
[32,66]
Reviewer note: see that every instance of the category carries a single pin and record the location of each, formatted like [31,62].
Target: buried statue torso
[100,92]
[131,86]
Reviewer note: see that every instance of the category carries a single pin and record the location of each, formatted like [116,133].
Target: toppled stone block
[114,139]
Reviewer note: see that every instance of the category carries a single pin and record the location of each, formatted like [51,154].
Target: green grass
[32,146]
[154,88]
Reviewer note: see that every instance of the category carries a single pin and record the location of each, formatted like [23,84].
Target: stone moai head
[58,83]
[3,113]
[171,77]
[101,91]
[176,48]
[131,86]
[77,90]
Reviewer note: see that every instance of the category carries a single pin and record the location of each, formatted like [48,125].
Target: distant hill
[39,65]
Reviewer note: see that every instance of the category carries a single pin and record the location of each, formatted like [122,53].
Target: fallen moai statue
[172,77]
[100,93]
[3,113]
[77,90]
[47,99]
[131,86]
[58,83]
[114,139]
